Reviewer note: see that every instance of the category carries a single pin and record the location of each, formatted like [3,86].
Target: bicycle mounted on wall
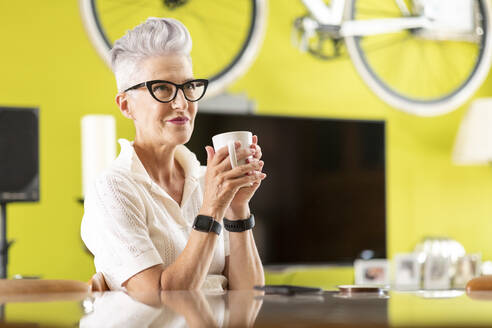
[425,57]
[224,45]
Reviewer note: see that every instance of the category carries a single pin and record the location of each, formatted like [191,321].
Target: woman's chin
[179,138]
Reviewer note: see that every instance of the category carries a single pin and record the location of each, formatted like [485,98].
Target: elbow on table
[238,284]
[169,283]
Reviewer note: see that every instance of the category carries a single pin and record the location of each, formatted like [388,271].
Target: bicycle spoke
[413,84]
[425,84]
[390,74]
[457,76]
[135,7]
[401,76]
[118,6]
[429,83]
[376,62]
[222,53]
[123,14]
[457,69]
[435,77]
[423,79]
[387,43]
[429,70]
[227,4]
[213,55]
[228,35]
[233,24]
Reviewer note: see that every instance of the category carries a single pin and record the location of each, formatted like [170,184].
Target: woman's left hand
[239,208]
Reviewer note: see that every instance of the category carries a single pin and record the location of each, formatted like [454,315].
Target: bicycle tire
[445,100]
[239,60]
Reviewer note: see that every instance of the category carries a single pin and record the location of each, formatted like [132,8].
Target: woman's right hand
[222,182]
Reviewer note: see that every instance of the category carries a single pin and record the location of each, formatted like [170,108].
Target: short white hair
[154,37]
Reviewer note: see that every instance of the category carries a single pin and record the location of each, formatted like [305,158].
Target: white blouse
[130,223]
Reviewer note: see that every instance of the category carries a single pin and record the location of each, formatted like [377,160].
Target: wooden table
[243,308]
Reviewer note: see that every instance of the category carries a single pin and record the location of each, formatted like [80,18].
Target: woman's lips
[179,120]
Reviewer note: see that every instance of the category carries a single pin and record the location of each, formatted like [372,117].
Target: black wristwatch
[239,225]
[207,224]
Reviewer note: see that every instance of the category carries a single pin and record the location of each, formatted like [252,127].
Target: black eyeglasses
[165,91]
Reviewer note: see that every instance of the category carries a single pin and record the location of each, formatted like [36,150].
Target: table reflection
[172,309]
[454,308]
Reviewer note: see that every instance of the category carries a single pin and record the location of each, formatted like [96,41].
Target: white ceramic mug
[228,139]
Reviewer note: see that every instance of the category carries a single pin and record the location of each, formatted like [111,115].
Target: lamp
[98,147]
[473,145]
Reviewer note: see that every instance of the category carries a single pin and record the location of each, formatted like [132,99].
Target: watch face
[202,223]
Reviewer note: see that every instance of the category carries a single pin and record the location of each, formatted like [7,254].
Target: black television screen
[323,200]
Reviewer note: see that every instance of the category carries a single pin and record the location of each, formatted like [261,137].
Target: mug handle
[232,153]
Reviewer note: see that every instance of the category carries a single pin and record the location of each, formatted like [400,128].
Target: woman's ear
[122,102]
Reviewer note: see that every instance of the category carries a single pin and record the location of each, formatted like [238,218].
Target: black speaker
[19,154]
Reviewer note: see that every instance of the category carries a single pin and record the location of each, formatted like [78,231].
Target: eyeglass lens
[164,91]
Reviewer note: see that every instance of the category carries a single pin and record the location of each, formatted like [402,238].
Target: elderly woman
[153,220]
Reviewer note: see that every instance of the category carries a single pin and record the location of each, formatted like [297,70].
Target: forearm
[245,267]
[192,305]
[190,269]
[244,307]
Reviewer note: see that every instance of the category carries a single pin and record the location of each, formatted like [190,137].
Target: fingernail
[261,163]
[263,175]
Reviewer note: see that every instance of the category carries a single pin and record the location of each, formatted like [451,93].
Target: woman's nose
[180,100]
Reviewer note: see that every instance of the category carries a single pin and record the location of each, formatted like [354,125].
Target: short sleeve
[114,229]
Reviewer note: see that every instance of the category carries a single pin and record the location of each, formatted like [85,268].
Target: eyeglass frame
[149,84]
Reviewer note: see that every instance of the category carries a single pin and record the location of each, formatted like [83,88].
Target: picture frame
[407,271]
[437,273]
[372,272]
[467,268]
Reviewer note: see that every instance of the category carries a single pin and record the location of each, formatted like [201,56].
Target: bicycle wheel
[418,74]
[226,34]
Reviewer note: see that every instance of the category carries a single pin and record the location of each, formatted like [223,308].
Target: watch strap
[239,225]
[206,223]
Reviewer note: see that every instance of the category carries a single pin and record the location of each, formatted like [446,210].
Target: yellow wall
[48,61]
